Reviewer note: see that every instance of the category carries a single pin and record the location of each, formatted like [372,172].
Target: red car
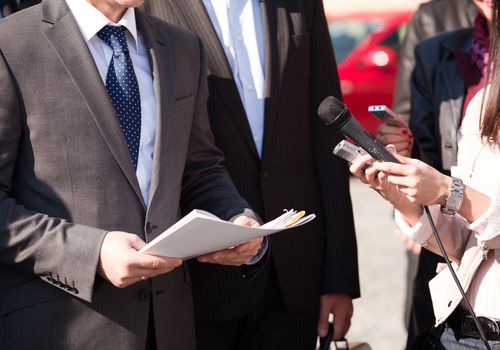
[366,48]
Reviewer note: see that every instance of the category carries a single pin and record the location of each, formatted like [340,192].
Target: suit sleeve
[206,183]
[341,265]
[61,253]
[422,118]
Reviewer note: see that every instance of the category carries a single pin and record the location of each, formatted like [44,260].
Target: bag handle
[326,341]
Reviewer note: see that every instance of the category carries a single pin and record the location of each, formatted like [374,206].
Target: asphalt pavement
[378,314]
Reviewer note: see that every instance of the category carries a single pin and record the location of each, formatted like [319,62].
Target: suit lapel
[160,60]
[196,18]
[66,39]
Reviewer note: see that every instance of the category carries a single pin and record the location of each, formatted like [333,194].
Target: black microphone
[334,113]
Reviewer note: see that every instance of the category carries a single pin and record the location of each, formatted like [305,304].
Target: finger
[136,242]
[400,146]
[143,274]
[395,168]
[246,221]
[340,327]
[250,247]
[405,152]
[227,257]
[322,328]
[359,165]
[391,138]
[372,177]
[153,262]
[391,129]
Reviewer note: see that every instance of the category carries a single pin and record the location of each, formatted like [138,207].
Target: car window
[346,34]
[394,40]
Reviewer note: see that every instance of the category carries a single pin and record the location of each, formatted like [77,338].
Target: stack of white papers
[201,232]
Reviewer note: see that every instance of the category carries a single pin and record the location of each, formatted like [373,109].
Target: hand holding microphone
[334,113]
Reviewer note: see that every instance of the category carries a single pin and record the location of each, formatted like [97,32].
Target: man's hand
[122,265]
[240,254]
[340,305]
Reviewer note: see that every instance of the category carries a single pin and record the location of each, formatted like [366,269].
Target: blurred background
[366,35]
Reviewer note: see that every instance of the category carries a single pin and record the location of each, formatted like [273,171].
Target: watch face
[453,201]
[455,197]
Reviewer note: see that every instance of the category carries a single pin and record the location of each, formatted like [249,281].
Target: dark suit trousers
[270,326]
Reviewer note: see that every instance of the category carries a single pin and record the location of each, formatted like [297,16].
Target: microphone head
[333,112]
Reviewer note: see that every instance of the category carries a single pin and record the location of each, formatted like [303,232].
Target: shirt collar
[90,20]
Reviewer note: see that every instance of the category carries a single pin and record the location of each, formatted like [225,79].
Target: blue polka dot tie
[123,88]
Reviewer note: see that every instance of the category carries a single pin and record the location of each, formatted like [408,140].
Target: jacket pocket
[183,106]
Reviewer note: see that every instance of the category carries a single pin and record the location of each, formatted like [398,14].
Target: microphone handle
[370,144]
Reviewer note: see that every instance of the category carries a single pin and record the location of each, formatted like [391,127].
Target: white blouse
[473,246]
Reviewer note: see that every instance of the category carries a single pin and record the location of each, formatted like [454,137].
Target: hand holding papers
[201,232]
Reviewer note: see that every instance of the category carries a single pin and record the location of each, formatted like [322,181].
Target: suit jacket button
[144,295]
[149,228]
[264,174]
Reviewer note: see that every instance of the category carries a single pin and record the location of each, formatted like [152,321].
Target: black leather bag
[327,342]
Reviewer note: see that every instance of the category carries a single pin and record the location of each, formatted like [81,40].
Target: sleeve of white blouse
[487,226]
[453,231]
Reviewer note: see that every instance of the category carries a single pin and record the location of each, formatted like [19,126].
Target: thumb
[402,159]
[391,148]
[136,242]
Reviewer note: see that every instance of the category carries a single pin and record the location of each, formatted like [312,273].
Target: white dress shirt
[238,24]
[90,21]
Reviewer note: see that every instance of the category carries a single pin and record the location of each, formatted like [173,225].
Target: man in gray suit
[104,143]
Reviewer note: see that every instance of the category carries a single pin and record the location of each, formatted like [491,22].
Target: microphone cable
[455,277]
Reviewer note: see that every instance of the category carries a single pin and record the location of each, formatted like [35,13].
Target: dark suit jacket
[66,178]
[431,18]
[297,169]
[437,95]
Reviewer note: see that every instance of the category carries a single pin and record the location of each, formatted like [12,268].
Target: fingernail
[410,136]
[405,131]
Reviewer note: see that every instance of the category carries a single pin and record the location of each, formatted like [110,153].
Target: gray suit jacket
[66,178]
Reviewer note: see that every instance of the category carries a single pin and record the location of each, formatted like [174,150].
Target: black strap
[326,341]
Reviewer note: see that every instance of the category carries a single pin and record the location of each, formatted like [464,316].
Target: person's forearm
[474,204]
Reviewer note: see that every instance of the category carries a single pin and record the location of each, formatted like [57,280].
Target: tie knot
[114,36]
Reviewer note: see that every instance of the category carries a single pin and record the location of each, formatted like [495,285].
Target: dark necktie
[123,88]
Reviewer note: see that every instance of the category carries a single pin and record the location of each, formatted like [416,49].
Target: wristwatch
[455,197]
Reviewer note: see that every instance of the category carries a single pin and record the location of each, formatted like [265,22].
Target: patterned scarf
[480,43]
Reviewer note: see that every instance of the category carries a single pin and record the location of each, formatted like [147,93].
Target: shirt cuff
[421,231]
[487,226]
[262,251]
